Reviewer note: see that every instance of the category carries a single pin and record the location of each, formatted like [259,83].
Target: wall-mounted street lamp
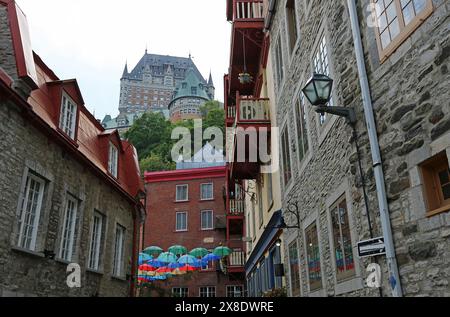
[278,243]
[318,92]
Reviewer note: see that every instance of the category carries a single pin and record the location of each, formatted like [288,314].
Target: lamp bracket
[348,113]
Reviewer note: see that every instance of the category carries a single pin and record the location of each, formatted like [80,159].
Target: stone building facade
[64,195]
[186,207]
[408,78]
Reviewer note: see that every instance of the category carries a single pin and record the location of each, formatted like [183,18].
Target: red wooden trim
[18,45]
[5,77]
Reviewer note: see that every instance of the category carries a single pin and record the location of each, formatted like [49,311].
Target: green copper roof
[192,86]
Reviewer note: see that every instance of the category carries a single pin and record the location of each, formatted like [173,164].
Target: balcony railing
[231,112]
[237,207]
[248,10]
[236,259]
[253,110]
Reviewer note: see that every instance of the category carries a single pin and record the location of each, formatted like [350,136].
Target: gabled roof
[160,61]
[42,110]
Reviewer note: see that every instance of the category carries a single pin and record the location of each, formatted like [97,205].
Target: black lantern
[318,89]
[278,243]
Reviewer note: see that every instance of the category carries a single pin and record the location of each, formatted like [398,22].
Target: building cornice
[184,175]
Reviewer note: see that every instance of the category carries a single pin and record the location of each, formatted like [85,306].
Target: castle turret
[210,89]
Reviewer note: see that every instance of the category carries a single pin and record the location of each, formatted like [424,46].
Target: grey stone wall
[7,59]
[410,93]
[23,273]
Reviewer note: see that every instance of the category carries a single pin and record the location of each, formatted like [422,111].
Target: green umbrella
[153,251]
[178,250]
[222,251]
[199,252]
[167,258]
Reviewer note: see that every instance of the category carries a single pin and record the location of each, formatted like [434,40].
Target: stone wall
[410,93]
[24,273]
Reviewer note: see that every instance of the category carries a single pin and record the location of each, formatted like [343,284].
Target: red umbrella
[188,268]
[147,268]
[163,270]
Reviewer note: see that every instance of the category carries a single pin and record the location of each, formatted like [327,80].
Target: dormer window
[113,159]
[68,116]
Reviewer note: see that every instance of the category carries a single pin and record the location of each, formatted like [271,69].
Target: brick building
[387,61]
[70,191]
[186,207]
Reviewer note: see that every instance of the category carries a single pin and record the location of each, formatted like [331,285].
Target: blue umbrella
[175,266]
[189,260]
[144,258]
[156,263]
[211,257]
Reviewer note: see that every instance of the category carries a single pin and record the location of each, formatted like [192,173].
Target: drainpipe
[394,277]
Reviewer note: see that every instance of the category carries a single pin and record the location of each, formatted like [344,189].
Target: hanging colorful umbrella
[177,250]
[178,272]
[147,268]
[144,258]
[158,278]
[210,258]
[222,251]
[189,268]
[189,260]
[156,263]
[199,252]
[153,251]
[167,257]
[144,278]
[175,265]
[163,270]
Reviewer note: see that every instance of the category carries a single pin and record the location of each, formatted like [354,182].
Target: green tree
[208,106]
[156,163]
[151,135]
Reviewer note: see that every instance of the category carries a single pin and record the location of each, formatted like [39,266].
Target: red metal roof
[91,143]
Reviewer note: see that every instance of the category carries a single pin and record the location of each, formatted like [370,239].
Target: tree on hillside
[151,135]
[156,163]
[208,106]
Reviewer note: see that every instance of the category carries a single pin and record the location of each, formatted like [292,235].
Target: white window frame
[209,290]
[119,250]
[95,248]
[292,46]
[176,221]
[68,229]
[212,220]
[34,225]
[68,123]
[113,160]
[187,193]
[181,289]
[322,65]
[234,287]
[279,62]
[212,191]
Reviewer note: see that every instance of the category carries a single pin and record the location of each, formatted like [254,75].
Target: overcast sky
[90,40]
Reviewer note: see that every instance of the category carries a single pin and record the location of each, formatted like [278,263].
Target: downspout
[134,252]
[394,278]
